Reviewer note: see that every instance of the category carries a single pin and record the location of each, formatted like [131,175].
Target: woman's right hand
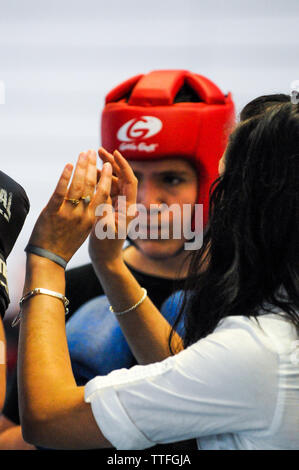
[112,219]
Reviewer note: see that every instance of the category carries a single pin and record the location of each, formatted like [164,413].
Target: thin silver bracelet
[37,291]
[133,306]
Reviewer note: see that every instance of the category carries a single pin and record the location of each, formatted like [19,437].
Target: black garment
[83,285]
[14,207]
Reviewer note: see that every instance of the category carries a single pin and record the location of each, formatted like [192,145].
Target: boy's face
[171,181]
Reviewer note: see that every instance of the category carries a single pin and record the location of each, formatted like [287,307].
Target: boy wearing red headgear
[172,126]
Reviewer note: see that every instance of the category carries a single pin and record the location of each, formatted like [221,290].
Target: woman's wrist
[109,270]
[102,265]
[42,272]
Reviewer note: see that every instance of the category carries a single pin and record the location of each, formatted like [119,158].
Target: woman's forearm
[43,352]
[145,328]
[44,367]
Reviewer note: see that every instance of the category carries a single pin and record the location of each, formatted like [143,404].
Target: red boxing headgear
[142,120]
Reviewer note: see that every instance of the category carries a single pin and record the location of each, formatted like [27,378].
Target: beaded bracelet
[133,306]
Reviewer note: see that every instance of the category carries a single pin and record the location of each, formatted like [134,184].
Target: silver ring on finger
[85,199]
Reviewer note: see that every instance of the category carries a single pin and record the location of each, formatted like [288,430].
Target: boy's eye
[172,180]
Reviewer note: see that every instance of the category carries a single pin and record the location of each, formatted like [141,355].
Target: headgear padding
[142,120]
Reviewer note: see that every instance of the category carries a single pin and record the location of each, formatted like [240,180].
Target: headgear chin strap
[142,120]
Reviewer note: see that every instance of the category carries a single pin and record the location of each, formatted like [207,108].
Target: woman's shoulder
[272,331]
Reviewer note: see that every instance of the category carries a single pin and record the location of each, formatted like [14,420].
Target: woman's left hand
[67,219]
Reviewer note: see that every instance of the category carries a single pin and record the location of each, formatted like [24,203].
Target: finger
[108,157]
[91,174]
[114,184]
[60,191]
[127,178]
[104,186]
[77,185]
[124,166]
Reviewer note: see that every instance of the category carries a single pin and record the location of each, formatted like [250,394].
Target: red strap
[157,88]
[207,90]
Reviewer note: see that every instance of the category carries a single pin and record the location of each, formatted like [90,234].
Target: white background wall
[58,59]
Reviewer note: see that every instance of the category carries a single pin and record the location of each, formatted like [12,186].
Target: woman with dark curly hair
[234,380]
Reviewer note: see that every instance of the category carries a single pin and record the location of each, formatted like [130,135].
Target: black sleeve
[11,406]
[82,285]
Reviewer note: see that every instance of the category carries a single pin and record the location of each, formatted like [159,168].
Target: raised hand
[67,219]
[110,230]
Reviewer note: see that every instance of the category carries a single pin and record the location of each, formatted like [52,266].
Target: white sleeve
[224,383]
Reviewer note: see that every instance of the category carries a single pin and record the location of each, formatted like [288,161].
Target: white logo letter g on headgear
[139,128]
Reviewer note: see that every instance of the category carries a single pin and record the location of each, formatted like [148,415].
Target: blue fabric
[96,343]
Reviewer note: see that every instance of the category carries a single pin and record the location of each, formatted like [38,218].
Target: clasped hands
[70,215]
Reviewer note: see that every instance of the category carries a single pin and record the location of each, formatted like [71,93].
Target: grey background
[59,58]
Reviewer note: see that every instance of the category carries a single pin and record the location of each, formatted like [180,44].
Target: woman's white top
[238,388]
